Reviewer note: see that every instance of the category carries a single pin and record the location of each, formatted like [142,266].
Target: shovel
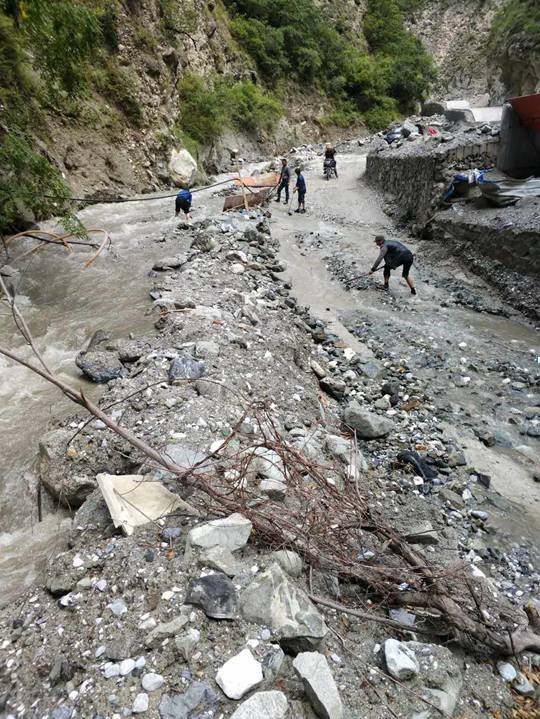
[290,204]
[367,274]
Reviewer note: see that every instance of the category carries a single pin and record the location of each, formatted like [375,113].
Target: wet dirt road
[470,359]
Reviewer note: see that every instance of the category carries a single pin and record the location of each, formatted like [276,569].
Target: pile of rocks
[193,617]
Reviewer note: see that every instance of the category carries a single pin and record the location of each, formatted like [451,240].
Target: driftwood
[328,523]
[66,240]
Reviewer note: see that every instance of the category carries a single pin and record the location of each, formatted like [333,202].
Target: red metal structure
[528,109]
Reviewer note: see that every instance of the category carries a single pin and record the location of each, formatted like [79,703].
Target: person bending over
[395,255]
[183,202]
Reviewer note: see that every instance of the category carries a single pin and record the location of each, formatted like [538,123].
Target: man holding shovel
[395,255]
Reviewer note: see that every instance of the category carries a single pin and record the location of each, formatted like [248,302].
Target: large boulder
[100,366]
[272,600]
[182,168]
[366,424]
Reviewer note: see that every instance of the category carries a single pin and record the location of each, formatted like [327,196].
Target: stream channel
[69,303]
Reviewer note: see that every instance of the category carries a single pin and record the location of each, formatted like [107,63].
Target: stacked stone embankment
[416,173]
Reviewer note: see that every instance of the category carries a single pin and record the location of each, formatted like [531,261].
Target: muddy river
[69,303]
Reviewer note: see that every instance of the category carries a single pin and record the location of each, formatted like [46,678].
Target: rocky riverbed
[278,403]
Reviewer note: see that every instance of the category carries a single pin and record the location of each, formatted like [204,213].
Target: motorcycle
[329,168]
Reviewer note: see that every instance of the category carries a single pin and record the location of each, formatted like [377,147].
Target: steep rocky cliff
[485,50]
[456,34]
[111,130]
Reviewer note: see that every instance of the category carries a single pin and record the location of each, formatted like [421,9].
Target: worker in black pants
[395,255]
[284,180]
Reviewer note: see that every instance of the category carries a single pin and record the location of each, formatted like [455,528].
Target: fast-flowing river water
[68,304]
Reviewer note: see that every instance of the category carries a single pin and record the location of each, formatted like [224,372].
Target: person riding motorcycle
[330,155]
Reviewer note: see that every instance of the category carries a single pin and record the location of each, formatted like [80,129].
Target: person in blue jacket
[301,189]
[183,202]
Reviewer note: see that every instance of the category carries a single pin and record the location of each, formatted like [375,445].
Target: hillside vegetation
[100,66]
[515,43]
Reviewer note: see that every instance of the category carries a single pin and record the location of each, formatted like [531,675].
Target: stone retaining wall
[416,174]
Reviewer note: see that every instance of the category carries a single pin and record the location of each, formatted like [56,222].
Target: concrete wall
[416,174]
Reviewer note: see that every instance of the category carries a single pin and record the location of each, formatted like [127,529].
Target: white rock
[507,671]
[148,624]
[118,607]
[182,168]
[231,533]
[152,682]
[319,684]
[126,667]
[77,562]
[240,674]
[237,268]
[141,703]
[273,488]
[263,705]
[111,670]
[400,660]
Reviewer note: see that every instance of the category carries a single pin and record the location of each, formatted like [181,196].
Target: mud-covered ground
[282,324]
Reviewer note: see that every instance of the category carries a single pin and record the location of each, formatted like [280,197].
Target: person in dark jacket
[184,198]
[284,180]
[301,189]
[330,154]
[395,255]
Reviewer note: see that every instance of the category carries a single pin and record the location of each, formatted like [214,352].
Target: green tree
[28,183]
[64,36]
[383,24]
[264,44]
[202,111]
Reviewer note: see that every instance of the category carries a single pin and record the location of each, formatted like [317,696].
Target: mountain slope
[98,90]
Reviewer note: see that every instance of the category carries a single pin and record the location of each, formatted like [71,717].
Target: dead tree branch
[327,520]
